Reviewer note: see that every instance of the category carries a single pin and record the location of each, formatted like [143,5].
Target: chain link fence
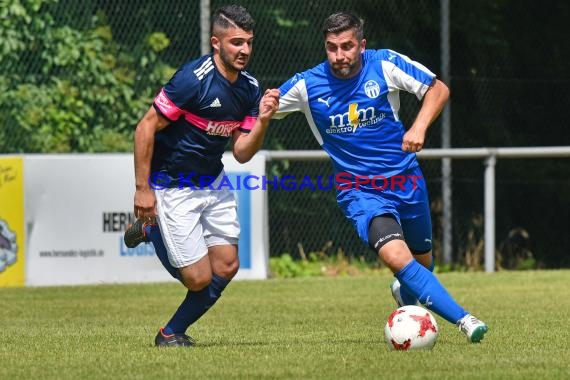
[497,100]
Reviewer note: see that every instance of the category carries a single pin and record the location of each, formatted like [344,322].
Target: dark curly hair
[233,16]
[342,21]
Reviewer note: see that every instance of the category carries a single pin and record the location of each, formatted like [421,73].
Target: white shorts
[192,220]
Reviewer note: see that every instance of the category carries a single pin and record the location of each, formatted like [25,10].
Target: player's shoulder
[193,72]
[381,55]
[199,68]
[319,71]
[314,75]
[307,79]
[250,79]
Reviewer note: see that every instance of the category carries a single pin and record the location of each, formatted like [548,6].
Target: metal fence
[478,249]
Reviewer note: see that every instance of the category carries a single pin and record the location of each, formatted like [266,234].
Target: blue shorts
[406,200]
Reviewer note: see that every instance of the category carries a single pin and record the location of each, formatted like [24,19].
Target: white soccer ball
[411,328]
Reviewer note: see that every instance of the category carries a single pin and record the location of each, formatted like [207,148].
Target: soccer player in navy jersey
[179,142]
[351,103]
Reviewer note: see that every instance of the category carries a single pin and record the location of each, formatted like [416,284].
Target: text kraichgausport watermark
[340,181]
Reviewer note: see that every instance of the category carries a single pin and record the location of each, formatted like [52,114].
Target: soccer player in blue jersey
[351,103]
[179,142]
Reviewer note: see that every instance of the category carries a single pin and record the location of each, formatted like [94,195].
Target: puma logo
[321,100]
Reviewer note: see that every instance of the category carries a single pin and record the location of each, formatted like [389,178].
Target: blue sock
[154,236]
[195,305]
[428,290]
[406,295]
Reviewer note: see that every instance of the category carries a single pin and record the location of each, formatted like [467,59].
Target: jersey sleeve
[293,97]
[402,73]
[174,97]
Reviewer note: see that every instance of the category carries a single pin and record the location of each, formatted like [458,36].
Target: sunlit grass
[325,328]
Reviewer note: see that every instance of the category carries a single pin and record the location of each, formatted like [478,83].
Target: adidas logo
[216,103]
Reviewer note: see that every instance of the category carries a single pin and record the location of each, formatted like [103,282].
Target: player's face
[235,47]
[344,53]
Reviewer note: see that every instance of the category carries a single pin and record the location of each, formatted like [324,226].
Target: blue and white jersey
[356,120]
[204,109]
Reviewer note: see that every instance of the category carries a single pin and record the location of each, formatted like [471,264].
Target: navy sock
[407,295]
[195,305]
[154,236]
[428,290]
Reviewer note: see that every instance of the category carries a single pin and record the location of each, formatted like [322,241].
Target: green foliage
[285,267]
[319,264]
[83,93]
[527,264]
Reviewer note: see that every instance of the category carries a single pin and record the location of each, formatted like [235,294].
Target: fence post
[204,27]
[490,163]
[446,185]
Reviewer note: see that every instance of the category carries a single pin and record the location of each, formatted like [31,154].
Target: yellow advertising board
[12,265]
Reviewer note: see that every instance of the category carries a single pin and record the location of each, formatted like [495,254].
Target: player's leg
[376,222]
[415,218]
[363,207]
[153,235]
[378,234]
[223,265]
[418,280]
[220,265]
[179,213]
[400,294]
[221,234]
[207,278]
[396,255]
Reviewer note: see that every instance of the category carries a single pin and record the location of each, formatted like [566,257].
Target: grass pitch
[313,328]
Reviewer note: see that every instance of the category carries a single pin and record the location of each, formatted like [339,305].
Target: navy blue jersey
[204,109]
[356,120]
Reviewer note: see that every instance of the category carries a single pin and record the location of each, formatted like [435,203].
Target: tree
[69,89]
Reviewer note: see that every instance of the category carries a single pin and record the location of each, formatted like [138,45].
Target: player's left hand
[269,104]
[413,141]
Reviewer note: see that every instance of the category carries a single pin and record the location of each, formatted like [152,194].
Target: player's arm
[293,97]
[433,102]
[247,144]
[145,200]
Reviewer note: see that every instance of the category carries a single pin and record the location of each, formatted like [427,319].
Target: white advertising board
[76,210]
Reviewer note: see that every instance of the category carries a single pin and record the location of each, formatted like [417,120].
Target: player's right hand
[145,203]
[269,104]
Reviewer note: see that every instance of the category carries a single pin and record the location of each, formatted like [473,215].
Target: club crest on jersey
[372,89]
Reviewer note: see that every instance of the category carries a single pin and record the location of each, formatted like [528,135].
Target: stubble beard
[346,72]
[228,62]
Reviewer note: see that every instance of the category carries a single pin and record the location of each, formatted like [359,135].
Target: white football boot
[395,289]
[473,328]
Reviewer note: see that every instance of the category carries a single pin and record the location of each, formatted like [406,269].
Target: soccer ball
[411,328]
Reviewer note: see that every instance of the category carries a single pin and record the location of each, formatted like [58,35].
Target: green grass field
[313,328]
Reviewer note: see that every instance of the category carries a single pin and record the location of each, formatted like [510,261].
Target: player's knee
[386,237]
[395,254]
[228,269]
[199,283]
[194,280]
